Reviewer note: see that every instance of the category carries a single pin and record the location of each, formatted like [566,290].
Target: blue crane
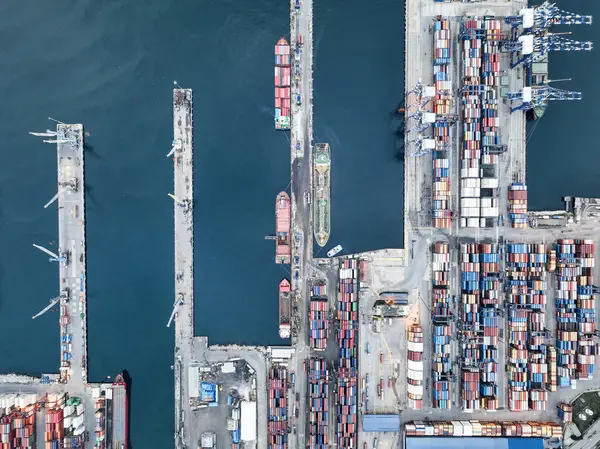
[546,15]
[534,47]
[535,96]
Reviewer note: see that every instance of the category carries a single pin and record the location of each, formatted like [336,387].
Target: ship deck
[119,416]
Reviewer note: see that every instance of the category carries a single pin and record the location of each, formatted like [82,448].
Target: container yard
[414,356]
[278,426]
[473,428]
[318,412]
[441,364]
[319,317]
[444,123]
[347,369]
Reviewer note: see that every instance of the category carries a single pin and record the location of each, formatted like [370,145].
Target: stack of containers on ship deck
[346,392]
[277,427]
[318,317]
[567,272]
[470,181]
[318,429]
[442,104]
[586,310]
[470,326]
[489,266]
[475,428]
[282,84]
[414,387]
[565,412]
[517,198]
[100,423]
[441,366]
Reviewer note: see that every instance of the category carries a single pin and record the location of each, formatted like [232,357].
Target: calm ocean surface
[110,65]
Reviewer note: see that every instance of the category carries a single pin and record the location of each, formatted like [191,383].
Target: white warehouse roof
[248,421]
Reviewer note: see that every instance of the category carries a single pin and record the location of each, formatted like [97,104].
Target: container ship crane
[54,257]
[52,303]
[536,96]
[532,47]
[546,15]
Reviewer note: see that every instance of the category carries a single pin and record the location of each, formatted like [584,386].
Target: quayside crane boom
[48,307]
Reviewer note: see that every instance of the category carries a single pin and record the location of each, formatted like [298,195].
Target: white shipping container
[469,202]
[489,202]
[489,212]
[472,222]
[470,182]
[415,375]
[468,192]
[470,212]
[458,428]
[489,183]
[469,172]
[415,366]
[463,222]
[414,346]
[415,389]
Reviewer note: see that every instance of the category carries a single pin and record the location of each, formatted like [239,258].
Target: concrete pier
[184,247]
[71,246]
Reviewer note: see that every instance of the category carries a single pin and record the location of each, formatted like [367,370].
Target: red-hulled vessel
[284,309]
[283,74]
[282,227]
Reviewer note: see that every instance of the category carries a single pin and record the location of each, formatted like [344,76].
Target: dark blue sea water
[111,65]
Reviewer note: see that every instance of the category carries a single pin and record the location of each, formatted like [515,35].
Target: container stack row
[517,200]
[319,322]
[441,364]
[17,421]
[479,155]
[489,283]
[73,422]
[473,428]
[277,426]
[470,327]
[100,423]
[414,383]
[282,85]
[347,336]
[318,415]
[575,311]
[586,310]
[526,296]
[442,104]
[565,412]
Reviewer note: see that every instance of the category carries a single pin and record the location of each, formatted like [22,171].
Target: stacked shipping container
[414,382]
[347,336]
[526,295]
[517,198]
[470,327]
[282,84]
[474,428]
[318,407]
[442,46]
[441,366]
[277,427]
[319,322]
[100,423]
[17,421]
[575,311]
[479,156]
[489,269]
[565,412]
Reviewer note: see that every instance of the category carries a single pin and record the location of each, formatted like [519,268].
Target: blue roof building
[479,442]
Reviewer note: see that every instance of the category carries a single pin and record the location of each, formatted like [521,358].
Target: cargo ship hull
[321,192]
[283,73]
[285,309]
[282,226]
[120,413]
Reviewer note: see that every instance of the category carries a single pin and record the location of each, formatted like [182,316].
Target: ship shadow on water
[397,128]
[90,151]
[129,389]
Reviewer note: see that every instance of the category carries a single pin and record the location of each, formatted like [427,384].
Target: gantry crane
[536,96]
[546,15]
[63,259]
[53,301]
[532,47]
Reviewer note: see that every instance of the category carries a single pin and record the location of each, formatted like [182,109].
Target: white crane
[54,257]
[176,147]
[178,302]
[53,301]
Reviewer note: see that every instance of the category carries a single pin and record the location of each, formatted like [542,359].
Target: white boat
[333,251]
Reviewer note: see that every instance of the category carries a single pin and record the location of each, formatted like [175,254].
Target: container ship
[282,224]
[284,309]
[282,84]
[321,186]
[120,413]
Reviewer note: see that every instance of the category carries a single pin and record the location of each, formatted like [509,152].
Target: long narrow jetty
[183,162]
[71,244]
